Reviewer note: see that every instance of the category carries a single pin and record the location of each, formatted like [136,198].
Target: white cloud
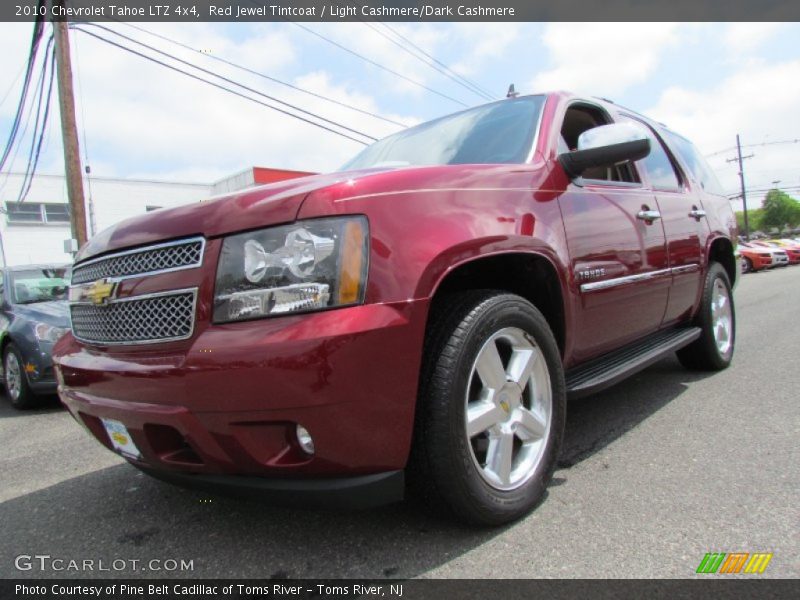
[144,120]
[15,41]
[481,43]
[740,38]
[759,102]
[367,42]
[486,42]
[603,59]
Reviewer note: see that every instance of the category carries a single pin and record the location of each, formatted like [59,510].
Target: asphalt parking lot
[654,473]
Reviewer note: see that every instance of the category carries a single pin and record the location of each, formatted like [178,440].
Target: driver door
[618,259]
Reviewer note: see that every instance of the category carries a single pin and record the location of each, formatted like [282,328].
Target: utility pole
[739,158]
[69,132]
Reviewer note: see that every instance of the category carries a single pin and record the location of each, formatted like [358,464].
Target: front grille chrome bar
[139,262]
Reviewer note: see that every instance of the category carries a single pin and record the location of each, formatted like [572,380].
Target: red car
[792,252]
[755,258]
[419,317]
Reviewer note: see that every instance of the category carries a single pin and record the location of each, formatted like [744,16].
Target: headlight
[48,333]
[305,266]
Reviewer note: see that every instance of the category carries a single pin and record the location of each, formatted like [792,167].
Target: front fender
[416,238]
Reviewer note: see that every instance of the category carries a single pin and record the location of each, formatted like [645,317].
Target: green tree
[753,218]
[780,211]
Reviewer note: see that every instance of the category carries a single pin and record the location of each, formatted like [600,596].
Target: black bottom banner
[489,589]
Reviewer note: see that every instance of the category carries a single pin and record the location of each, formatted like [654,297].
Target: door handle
[648,215]
[697,213]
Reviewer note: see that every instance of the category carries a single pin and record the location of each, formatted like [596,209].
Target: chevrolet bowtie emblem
[101,290]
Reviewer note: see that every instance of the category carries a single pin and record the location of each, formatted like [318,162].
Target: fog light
[304,439]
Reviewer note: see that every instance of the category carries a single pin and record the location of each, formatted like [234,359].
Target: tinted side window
[697,164]
[658,164]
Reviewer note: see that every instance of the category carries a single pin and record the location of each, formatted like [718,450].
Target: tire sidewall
[498,505]
[715,273]
[25,394]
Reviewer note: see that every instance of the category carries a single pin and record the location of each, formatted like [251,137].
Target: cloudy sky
[140,120]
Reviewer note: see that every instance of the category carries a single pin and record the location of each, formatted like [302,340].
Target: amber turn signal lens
[352,272]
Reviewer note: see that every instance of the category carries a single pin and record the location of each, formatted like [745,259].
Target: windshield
[501,132]
[39,285]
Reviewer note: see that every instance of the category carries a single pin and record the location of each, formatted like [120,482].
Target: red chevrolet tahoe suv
[418,318]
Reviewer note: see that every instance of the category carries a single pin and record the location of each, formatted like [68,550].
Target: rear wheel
[18,390]
[713,350]
[492,407]
[747,265]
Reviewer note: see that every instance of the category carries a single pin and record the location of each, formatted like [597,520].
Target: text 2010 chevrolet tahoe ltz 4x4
[417,319]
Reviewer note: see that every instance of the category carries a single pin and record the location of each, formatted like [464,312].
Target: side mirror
[606,146]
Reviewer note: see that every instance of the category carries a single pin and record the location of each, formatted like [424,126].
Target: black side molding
[613,367]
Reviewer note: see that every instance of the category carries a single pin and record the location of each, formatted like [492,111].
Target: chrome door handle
[697,213]
[648,215]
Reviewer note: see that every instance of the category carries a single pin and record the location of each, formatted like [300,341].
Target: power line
[11,87]
[38,28]
[794,141]
[439,69]
[221,87]
[267,77]
[29,117]
[477,87]
[762,190]
[236,83]
[377,64]
[38,138]
[24,112]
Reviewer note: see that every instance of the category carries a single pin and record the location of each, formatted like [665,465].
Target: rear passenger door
[683,220]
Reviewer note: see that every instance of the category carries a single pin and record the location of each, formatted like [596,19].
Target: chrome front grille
[172,256]
[162,317]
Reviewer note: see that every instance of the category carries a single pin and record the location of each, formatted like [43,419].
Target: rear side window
[698,165]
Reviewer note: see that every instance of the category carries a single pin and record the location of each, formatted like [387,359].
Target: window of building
[27,212]
[37,212]
[56,213]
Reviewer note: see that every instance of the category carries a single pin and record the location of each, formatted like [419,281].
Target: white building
[34,231]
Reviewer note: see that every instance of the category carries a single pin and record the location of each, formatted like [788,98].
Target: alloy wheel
[722,317]
[13,376]
[508,409]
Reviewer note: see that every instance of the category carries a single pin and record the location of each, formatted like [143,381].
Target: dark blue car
[33,316]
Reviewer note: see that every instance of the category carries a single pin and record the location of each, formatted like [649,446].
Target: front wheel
[713,350]
[18,390]
[747,265]
[492,407]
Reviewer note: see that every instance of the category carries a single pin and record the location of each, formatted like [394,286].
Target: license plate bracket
[121,439]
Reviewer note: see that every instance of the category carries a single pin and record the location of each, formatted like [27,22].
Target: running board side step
[613,367]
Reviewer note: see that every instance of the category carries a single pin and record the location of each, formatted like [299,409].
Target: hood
[280,202]
[264,205]
[55,312]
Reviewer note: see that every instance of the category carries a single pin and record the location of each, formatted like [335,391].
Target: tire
[18,390]
[713,350]
[467,476]
[747,265]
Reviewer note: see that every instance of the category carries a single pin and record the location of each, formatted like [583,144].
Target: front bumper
[365,491]
[227,403]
